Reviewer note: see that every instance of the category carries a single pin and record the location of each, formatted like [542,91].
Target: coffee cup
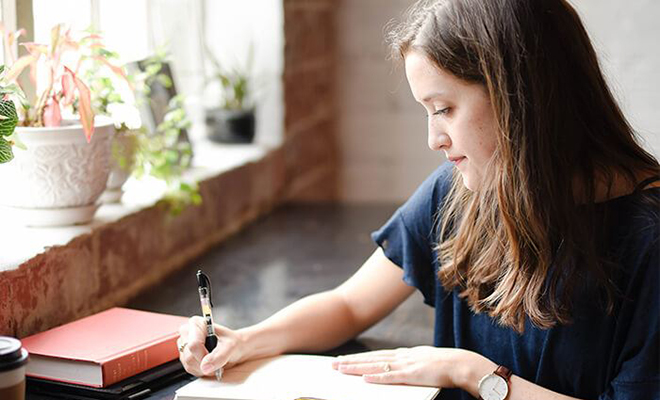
[13,358]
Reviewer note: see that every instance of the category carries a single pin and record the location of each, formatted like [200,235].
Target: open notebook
[290,377]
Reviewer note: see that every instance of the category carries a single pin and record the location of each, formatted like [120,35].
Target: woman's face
[461,121]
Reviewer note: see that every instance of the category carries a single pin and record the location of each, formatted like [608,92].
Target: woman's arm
[436,367]
[476,366]
[315,323]
[322,321]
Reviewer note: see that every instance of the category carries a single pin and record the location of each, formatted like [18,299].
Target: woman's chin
[469,182]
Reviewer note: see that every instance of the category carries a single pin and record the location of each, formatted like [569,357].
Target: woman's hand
[421,366]
[194,357]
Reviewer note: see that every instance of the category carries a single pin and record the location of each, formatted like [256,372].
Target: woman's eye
[442,111]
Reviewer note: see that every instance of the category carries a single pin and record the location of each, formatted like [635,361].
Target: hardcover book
[290,377]
[104,348]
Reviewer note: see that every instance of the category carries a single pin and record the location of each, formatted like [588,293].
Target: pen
[204,289]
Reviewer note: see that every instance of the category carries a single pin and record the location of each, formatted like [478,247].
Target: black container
[230,126]
[13,358]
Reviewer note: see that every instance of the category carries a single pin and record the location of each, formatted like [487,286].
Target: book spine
[130,364]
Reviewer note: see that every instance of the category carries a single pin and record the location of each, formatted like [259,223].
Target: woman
[538,244]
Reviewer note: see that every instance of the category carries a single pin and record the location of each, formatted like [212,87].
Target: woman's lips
[456,160]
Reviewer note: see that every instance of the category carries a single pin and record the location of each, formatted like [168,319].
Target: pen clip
[203,282]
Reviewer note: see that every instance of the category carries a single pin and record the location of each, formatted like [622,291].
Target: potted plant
[141,148]
[112,95]
[233,121]
[163,153]
[8,119]
[64,168]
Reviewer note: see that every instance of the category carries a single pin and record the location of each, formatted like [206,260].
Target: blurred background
[321,67]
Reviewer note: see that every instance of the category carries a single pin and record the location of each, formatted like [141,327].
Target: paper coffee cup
[13,358]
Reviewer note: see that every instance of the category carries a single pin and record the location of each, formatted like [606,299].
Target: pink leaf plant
[57,64]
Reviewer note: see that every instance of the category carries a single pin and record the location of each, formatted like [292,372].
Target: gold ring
[182,347]
[386,367]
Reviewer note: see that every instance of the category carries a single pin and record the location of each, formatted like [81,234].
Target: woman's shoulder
[637,214]
[634,232]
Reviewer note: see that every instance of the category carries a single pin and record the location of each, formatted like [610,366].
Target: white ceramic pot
[124,145]
[59,178]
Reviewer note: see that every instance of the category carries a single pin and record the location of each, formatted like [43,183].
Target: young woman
[538,244]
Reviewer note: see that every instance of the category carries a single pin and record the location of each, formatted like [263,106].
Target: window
[135,28]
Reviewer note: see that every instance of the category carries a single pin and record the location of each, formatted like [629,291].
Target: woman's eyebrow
[432,96]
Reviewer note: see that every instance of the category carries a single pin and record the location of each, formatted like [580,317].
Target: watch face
[493,387]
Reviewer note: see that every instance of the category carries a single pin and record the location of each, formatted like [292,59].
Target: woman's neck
[620,185]
[608,186]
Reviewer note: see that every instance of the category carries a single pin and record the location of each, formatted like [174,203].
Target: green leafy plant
[162,154]
[108,82]
[8,118]
[235,83]
[159,154]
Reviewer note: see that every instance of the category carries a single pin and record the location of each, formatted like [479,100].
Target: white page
[291,376]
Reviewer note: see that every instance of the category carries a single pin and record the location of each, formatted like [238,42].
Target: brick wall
[116,261]
[309,80]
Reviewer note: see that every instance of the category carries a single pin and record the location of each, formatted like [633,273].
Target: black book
[140,386]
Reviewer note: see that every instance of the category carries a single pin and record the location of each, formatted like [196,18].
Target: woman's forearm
[315,323]
[326,320]
[477,366]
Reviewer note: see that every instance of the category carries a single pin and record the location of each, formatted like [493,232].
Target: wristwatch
[495,386]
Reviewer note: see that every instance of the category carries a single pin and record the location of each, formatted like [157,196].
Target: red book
[104,348]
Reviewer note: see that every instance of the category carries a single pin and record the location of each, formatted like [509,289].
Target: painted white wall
[382,131]
[625,35]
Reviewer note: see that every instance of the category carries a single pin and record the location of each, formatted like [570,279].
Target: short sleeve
[638,371]
[408,238]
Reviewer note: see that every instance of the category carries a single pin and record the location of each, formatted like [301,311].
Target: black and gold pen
[204,289]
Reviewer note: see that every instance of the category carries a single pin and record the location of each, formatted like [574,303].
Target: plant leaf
[54,39]
[10,118]
[68,89]
[84,106]
[52,114]
[6,154]
[16,141]
[35,48]
[117,70]
[20,65]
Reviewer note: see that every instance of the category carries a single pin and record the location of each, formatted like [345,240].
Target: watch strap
[504,372]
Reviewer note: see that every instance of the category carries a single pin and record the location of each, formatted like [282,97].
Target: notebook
[104,348]
[140,386]
[290,377]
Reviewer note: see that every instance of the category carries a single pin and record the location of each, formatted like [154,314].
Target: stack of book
[110,354]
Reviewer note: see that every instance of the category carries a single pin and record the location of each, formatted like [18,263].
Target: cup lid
[12,354]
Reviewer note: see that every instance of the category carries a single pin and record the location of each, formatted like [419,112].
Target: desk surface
[295,251]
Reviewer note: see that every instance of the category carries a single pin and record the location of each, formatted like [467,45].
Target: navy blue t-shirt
[597,356]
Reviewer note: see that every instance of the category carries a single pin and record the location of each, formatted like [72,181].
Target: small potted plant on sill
[113,95]
[163,152]
[64,168]
[137,150]
[233,121]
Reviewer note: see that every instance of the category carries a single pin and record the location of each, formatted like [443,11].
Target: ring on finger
[182,347]
[387,367]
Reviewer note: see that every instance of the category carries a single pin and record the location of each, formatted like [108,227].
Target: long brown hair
[518,246]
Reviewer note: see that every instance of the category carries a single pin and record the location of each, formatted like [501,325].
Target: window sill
[20,244]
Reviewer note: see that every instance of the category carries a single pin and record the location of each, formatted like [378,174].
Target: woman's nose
[438,140]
